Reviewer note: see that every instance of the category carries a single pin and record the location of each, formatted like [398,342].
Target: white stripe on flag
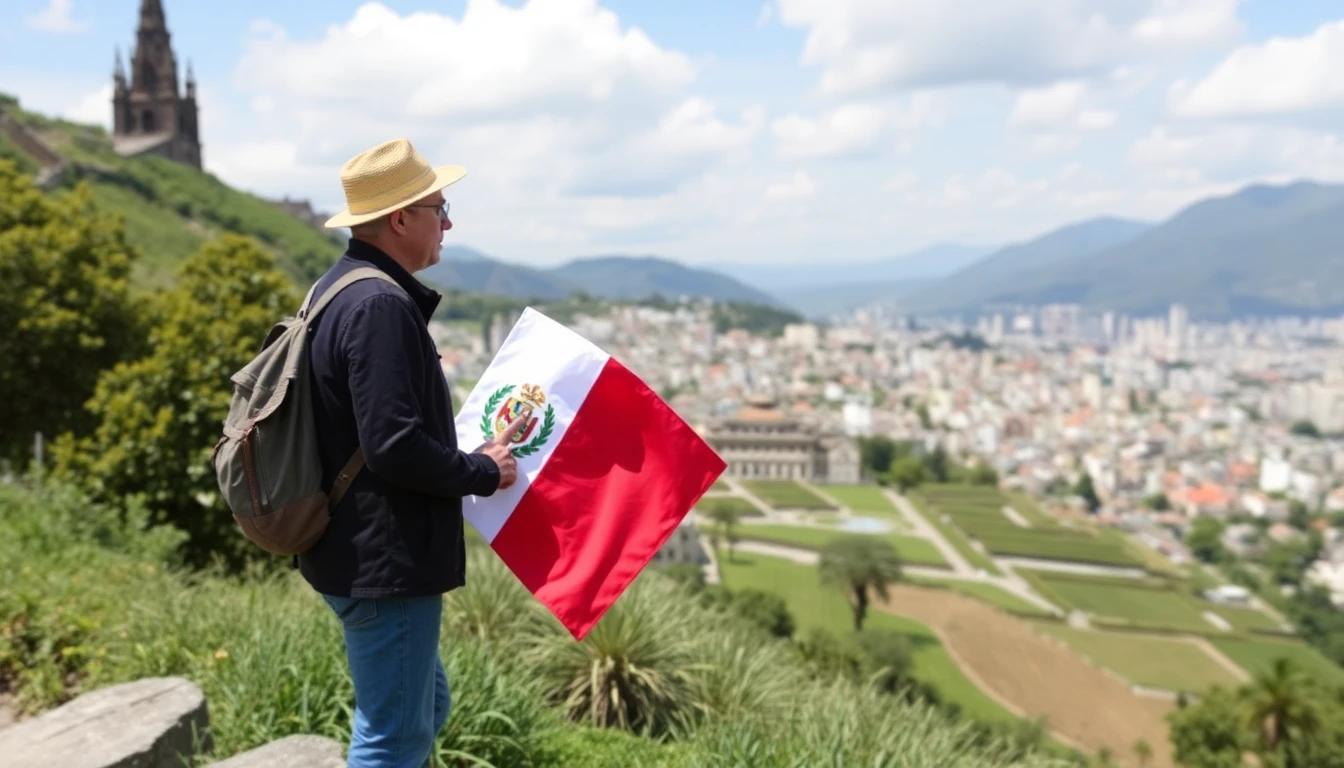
[564,365]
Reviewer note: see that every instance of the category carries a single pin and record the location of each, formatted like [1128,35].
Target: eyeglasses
[442,208]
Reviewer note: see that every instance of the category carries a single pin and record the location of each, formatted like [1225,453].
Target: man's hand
[498,448]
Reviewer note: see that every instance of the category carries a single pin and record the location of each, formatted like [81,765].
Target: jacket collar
[425,298]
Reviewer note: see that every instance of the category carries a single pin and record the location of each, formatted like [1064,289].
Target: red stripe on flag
[623,476]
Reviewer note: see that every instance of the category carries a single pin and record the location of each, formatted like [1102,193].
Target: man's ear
[397,221]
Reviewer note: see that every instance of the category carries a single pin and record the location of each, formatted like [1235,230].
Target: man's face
[425,221]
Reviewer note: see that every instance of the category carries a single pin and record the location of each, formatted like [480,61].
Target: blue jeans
[401,690]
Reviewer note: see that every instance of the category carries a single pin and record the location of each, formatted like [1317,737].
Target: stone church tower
[150,114]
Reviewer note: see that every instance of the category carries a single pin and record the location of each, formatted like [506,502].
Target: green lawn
[1125,600]
[1258,655]
[912,549]
[861,498]
[1155,662]
[953,535]
[815,606]
[744,508]
[720,485]
[1028,508]
[785,494]
[1243,619]
[1001,536]
[995,596]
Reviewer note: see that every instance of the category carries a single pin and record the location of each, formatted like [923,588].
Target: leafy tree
[1209,734]
[908,472]
[725,517]
[1158,502]
[829,657]
[886,658]
[1280,706]
[1298,515]
[983,474]
[1305,429]
[936,463]
[764,609]
[860,565]
[1085,489]
[922,411]
[66,308]
[158,418]
[1143,751]
[876,453]
[1204,540]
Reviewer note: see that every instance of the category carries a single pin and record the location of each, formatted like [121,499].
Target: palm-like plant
[741,676]
[1280,705]
[633,671]
[1143,752]
[859,565]
[725,517]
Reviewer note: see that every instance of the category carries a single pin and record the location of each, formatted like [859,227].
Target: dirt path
[1038,677]
[1212,651]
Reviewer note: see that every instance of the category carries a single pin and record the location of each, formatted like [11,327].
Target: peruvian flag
[606,469]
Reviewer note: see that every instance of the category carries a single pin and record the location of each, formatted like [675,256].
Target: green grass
[815,606]
[953,535]
[989,593]
[1256,656]
[912,549]
[785,494]
[1244,619]
[1125,600]
[1001,536]
[170,208]
[861,498]
[1028,508]
[1155,662]
[720,485]
[740,505]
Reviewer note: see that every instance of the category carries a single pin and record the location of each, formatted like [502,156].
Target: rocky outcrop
[160,722]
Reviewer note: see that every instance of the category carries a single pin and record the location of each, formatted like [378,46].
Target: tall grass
[97,601]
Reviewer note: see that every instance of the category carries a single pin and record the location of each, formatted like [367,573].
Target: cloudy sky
[726,130]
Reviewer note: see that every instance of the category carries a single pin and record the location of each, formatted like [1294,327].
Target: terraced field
[785,494]
[1258,656]
[1171,664]
[979,513]
[912,549]
[861,498]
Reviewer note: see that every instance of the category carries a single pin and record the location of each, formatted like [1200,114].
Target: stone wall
[50,161]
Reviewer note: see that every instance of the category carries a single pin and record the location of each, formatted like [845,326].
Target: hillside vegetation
[664,680]
[170,209]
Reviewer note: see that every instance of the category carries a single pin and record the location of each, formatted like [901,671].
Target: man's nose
[445,224]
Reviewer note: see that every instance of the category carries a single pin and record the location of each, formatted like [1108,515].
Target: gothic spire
[151,15]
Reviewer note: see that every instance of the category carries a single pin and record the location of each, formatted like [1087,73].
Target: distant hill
[824,302]
[606,277]
[169,209]
[993,279]
[1264,250]
[927,263]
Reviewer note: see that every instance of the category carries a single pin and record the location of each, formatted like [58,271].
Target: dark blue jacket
[377,383]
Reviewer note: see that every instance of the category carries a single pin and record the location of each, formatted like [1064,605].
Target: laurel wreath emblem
[547,424]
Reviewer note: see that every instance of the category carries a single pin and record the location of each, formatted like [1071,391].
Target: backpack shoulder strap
[345,281]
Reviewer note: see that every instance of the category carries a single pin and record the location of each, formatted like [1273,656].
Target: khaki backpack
[267,462]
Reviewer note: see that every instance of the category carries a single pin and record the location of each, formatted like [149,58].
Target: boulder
[301,751]
[157,722]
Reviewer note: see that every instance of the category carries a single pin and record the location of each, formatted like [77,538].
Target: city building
[151,115]
[683,546]
[761,441]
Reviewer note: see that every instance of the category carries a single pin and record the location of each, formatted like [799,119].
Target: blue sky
[764,131]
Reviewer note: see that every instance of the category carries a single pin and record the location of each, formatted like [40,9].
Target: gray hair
[369,228]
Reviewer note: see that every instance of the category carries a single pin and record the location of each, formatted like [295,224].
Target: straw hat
[389,176]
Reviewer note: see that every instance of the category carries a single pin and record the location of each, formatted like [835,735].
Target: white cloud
[867,45]
[1279,76]
[1240,154]
[846,130]
[95,108]
[1096,119]
[56,17]
[799,185]
[1051,105]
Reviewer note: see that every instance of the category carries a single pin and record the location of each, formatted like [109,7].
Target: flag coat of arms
[606,469]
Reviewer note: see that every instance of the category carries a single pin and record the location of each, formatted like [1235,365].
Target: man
[395,542]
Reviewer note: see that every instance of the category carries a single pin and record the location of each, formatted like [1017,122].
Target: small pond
[865,525]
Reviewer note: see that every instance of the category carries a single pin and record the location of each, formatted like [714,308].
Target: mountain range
[608,277]
[1263,250]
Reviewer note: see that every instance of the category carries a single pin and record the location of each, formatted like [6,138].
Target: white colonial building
[760,441]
